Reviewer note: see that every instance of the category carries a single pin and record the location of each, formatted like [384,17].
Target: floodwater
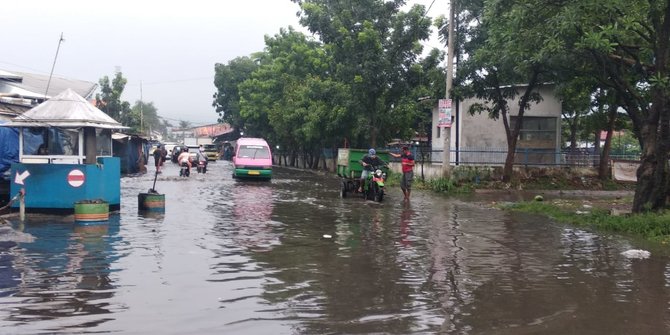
[231,257]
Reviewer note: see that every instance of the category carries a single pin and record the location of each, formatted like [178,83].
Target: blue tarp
[9,150]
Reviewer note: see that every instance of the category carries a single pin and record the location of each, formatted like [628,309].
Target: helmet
[372,152]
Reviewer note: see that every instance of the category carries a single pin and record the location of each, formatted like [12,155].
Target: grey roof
[10,110]
[67,110]
[30,85]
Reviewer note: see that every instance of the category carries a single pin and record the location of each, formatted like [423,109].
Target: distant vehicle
[169,146]
[252,159]
[196,141]
[175,152]
[212,152]
[193,154]
[191,142]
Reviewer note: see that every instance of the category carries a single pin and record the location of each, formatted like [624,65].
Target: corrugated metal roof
[68,110]
[9,76]
[213,130]
[34,85]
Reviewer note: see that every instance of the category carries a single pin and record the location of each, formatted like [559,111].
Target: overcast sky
[168,46]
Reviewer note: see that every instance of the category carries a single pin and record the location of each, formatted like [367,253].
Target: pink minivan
[253,159]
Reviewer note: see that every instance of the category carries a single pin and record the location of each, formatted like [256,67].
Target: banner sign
[444,113]
[623,170]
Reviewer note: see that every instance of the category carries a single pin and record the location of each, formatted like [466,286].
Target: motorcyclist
[201,157]
[184,157]
[368,162]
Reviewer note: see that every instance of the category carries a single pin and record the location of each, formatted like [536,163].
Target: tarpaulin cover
[9,150]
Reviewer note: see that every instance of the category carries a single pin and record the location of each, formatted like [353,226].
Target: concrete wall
[430,171]
[479,131]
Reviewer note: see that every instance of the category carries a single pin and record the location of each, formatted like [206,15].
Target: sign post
[444,109]
[446,147]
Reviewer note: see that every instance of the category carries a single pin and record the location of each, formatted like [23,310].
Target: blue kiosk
[65,155]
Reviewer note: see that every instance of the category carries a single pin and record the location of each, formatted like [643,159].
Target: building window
[536,132]
[103,142]
[50,141]
[437,131]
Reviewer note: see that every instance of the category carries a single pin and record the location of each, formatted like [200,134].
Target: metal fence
[497,156]
[523,157]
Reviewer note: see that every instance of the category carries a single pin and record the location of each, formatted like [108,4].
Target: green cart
[349,168]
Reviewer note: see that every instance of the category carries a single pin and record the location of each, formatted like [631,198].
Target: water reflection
[64,272]
[250,258]
[406,221]
[252,212]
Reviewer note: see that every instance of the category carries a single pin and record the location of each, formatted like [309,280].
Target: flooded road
[231,257]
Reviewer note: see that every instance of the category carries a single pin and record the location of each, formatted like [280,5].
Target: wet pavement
[241,257]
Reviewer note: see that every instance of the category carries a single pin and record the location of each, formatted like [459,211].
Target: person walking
[407,160]
[158,158]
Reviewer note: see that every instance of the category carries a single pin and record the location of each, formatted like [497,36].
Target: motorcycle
[374,185]
[202,167]
[185,171]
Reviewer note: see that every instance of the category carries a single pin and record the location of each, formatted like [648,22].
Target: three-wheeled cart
[349,168]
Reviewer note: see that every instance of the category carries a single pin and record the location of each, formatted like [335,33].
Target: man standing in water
[407,160]
[159,158]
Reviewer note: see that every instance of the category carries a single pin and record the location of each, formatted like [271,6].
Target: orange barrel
[151,202]
[91,211]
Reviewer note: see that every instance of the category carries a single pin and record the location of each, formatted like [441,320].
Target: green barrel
[91,211]
[151,202]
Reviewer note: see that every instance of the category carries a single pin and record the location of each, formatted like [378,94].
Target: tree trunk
[316,158]
[509,160]
[605,156]
[513,134]
[597,142]
[573,134]
[652,176]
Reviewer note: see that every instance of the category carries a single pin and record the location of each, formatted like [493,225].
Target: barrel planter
[91,211]
[151,202]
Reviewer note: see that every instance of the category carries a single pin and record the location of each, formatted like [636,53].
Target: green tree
[109,100]
[143,117]
[373,44]
[165,125]
[227,79]
[291,97]
[626,44]
[510,62]
[184,124]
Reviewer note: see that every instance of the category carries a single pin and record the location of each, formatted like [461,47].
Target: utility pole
[446,146]
[142,112]
[46,93]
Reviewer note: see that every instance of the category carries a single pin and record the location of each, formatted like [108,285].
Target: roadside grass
[440,185]
[652,226]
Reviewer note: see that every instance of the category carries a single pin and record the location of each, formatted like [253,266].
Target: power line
[180,120]
[177,81]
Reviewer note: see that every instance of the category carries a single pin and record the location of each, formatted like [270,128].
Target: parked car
[253,159]
[212,152]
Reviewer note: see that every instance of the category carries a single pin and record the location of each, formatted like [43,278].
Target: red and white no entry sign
[76,178]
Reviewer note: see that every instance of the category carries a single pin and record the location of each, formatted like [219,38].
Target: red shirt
[407,162]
